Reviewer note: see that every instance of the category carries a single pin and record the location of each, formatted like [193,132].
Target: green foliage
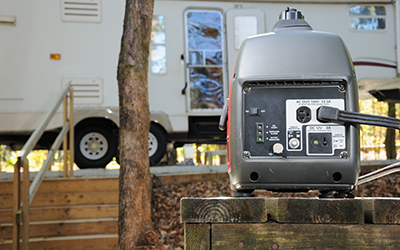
[36,159]
[8,159]
[372,138]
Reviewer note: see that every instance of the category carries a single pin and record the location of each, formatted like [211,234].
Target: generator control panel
[281,121]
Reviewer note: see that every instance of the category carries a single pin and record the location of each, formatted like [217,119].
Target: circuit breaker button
[294,143]
[255,111]
[277,148]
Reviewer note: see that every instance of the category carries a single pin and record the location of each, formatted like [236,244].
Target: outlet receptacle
[303,114]
[320,143]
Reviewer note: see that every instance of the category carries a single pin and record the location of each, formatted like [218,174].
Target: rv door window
[158,52]
[205,64]
[367,17]
[245,26]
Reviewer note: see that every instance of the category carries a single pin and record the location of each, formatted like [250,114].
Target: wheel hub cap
[93,146]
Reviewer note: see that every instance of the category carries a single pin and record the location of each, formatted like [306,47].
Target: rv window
[245,26]
[367,17]
[205,46]
[158,52]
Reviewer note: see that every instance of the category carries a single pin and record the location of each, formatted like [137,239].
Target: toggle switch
[255,111]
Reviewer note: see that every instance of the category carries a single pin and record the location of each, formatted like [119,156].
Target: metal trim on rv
[82,113]
[112,113]
[162,119]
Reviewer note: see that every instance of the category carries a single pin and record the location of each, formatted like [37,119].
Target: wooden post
[25,205]
[65,142]
[290,223]
[16,204]
[71,133]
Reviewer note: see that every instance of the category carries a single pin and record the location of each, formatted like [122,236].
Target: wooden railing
[24,193]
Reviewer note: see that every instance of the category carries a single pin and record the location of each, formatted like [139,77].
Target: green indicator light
[259,138]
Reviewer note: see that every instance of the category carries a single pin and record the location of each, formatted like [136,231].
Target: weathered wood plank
[43,200]
[382,210]
[222,210]
[6,201]
[79,185]
[197,236]
[101,242]
[65,228]
[284,210]
[304,236]
[306,210]
[65,213]
[75,199]
[67,185]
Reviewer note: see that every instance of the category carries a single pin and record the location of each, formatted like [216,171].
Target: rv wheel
[157,144]
[95,146]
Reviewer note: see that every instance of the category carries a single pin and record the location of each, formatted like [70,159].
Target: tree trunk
[134,220]
[390,143]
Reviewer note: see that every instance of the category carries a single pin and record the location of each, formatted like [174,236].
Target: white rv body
[89,45]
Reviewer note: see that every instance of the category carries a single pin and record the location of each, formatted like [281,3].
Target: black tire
[157,144]
[95,146]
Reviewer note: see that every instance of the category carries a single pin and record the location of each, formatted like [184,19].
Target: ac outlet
[303,114]
[320,143]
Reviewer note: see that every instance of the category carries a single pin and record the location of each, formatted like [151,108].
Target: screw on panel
[246,90]
[247,154]
[342,88]
[344,154]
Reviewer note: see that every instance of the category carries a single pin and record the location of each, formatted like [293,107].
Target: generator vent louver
[86,90]
[81,11]
[295,83]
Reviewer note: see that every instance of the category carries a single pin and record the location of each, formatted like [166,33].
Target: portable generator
[275,139]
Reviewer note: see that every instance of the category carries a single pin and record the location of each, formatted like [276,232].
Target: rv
[48,44]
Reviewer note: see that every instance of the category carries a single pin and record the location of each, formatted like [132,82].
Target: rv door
[240,24]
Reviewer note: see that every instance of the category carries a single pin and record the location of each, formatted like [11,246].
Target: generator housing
[275,140]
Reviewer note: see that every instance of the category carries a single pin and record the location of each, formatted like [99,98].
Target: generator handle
[224,116]
[393,168]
